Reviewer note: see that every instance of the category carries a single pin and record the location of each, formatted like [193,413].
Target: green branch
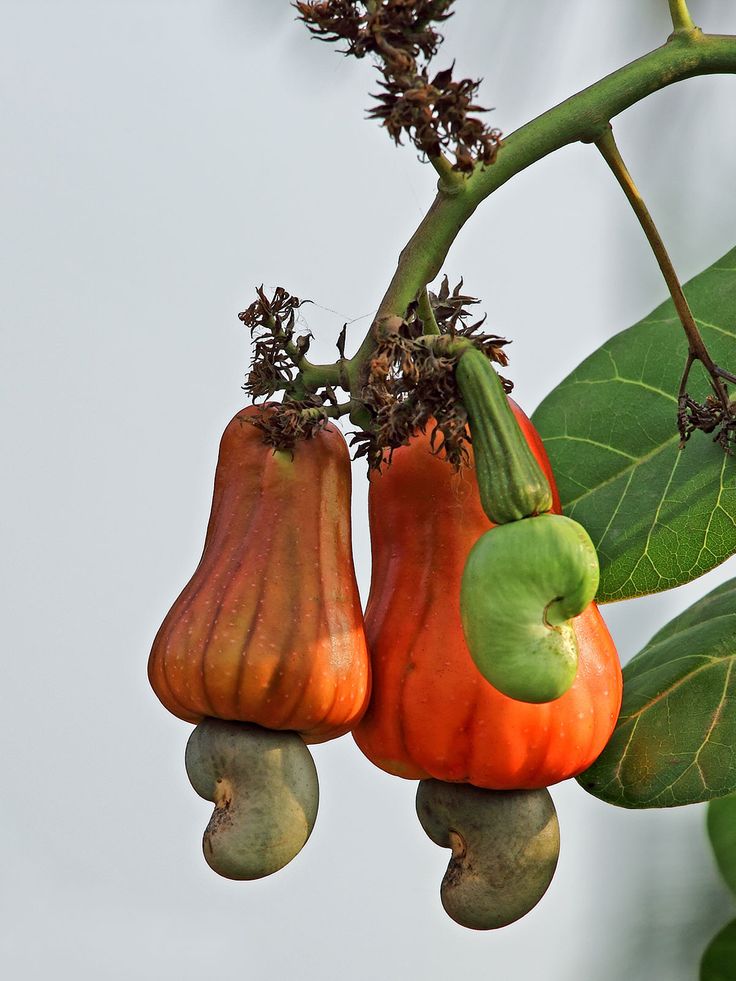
[331,411]
[450,179]
[582,117]
[315,376]
[681,19]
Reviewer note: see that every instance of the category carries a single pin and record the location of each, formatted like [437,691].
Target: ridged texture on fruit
[269,629]
[431,712]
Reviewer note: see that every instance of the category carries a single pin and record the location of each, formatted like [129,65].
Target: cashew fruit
[269,628]
[431,712]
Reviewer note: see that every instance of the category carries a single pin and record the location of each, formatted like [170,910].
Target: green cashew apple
[521,585]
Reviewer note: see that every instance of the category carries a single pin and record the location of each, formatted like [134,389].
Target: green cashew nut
[505,845]
[521,584]
[264,787]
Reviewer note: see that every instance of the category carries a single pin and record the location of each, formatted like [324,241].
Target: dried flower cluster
[276,349]
[435,113]
[284,424]
[710,416]
[278,354]
[409,383]
[371,28]
[411,380]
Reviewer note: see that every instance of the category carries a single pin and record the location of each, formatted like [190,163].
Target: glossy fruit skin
[269,628]
[432,714]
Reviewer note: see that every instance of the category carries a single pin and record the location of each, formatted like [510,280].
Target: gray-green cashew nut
[264,787]
[505,845]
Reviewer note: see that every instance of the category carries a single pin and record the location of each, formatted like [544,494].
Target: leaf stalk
[697,349]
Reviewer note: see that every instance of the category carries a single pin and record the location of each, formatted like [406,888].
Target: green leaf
[658,516]
[722,833]
[675,739]
[719,959]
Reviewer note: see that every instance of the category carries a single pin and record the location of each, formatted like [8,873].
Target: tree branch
[583,116]
[681,19]
[449,178]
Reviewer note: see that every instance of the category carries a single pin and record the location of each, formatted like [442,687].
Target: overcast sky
[160,159]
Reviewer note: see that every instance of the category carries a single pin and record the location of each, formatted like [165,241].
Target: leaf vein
[642,460]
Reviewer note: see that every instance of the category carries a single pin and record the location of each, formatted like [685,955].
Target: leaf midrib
[624,470]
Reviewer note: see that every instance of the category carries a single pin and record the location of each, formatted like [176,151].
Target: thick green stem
[315,376]
[582,117]
[681,19]
[332,411]
[426,314]
[697,349]
[450,179]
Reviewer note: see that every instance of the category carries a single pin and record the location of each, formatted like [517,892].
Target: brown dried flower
[410,381]
[710,416]
[272,324]
[434,114]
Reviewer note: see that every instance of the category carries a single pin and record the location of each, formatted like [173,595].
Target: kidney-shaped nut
[264,787]
[505,845]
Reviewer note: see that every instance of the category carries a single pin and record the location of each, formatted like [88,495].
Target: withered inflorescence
[710,416]
[410,380]
[433,112]
[407,385]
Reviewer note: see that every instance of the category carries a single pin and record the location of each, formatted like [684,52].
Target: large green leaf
[659,516]
[721,601]
[719,959]
[722,832]
[675,740]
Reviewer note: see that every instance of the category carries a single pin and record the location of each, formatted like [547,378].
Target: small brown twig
[691,415]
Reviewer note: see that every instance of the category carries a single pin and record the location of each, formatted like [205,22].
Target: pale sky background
[159,159]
